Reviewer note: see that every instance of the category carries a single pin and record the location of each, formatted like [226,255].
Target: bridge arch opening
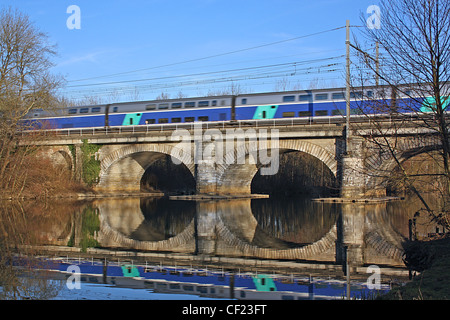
[299,174]
[163,175]
[425,173]
[134,169]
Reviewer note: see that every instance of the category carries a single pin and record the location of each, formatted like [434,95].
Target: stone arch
[122,169]
[64,158]
[380,165]
[235,176]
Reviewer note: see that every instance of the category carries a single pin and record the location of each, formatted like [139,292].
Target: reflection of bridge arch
[326,243]
[183,241]
[381,236]
[125,167]
[214,230]
[237,172]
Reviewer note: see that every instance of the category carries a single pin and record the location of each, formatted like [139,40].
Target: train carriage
[255,106]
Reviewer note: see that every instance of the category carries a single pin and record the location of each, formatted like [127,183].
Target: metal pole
[347,93]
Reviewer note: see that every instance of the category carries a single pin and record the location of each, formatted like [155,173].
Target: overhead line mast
[347,86]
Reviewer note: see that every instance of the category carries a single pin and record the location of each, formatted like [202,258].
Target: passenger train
[272,105]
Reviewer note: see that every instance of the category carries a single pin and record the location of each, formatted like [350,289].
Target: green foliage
[89,227]
[91,166]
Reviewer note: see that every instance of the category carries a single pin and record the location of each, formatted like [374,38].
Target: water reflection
[297,220]
[264,230]
[146,219]
[290,229]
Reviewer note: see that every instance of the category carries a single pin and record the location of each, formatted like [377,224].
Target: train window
[338,112]
[223,102]
[151,106]
[356,95]
[338,95]
[73,111]
[305,97]
[163,120]
[163,106]
[95,109]
[214,103]
[203,103]
[115,109]
[189,119]
[304,114]
[264,114]
[321,113]
[84,110]
[204,118]
[288,114]
[176,105]
[244,101]
[189,104]
[288,98]
[321,96]
[131,121]
[370,93]
[176,120]
[150,121]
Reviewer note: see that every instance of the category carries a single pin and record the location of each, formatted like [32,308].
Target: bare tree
[25,84]
[414,44]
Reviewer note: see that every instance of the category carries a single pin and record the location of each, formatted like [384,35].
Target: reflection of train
[292,104]
[208,283]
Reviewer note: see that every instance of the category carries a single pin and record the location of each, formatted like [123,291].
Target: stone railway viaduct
[227,169]
[224,159]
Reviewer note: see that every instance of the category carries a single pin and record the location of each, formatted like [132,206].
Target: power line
[292,64]
[212,56]
[189,83]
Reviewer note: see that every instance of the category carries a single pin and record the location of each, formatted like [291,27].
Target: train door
[132,119]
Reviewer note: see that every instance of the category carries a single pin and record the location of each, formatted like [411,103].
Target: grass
[433,283]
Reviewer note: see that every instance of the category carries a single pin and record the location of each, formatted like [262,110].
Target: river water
[275,248]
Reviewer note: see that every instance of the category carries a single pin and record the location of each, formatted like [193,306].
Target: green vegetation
[90,225]
[90,165]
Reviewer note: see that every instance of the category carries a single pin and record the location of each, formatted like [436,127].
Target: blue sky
[168,38]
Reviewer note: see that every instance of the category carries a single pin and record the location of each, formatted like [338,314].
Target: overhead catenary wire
[294,64]
[313,70]
[213,80]
[211,56]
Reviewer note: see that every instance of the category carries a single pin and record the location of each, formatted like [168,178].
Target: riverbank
[433,283]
